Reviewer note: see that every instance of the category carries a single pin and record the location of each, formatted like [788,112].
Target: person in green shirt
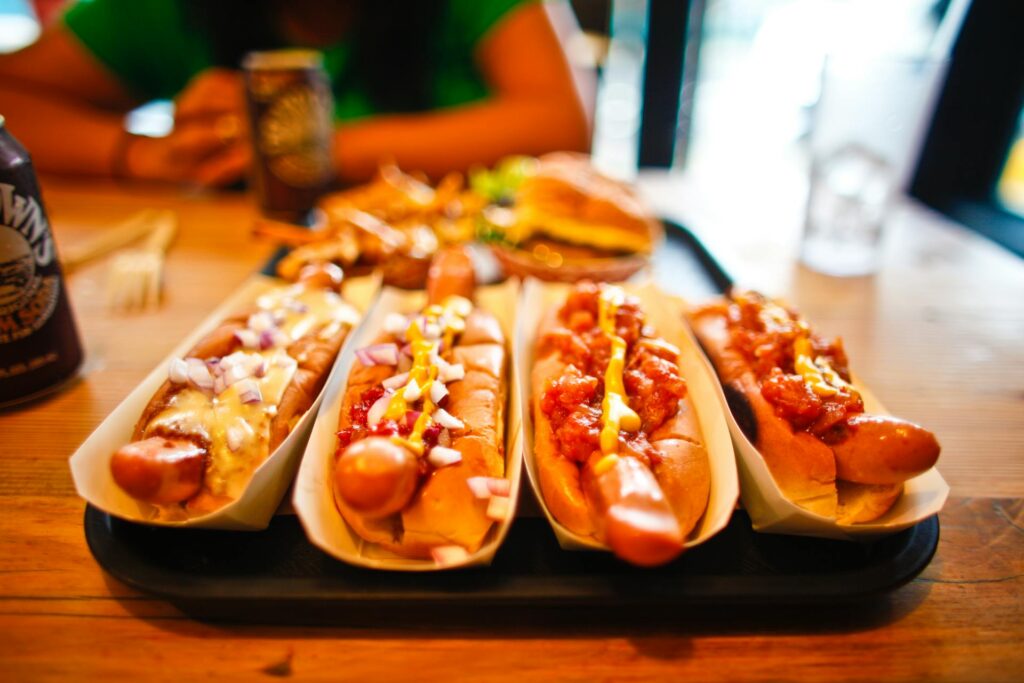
[435,85]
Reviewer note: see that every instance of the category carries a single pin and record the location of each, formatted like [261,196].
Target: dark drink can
[291,111]
[39,346]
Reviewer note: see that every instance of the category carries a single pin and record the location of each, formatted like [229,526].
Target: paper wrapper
[90,464]
[771,512]
[665,313]
[314,490]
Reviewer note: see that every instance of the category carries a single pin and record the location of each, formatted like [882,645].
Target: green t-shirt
[150,47]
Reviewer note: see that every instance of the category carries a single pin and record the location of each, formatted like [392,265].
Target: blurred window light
[18,25]
[154,119]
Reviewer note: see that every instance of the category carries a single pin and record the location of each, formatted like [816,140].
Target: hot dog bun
[797,407]
[645,495]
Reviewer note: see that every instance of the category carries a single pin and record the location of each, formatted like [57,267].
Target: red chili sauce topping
[766,342]
[572,401]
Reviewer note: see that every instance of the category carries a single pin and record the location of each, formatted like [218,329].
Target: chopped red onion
[438,391]
[266,339]
[410,418]
[297,306]
[448,555]
[260,370]
[249,391]
[219,384]
[378,354]
[447,420]
[440,456]
[177,371]
[498,508]
[407,350]
[248,338]
[396,381]
[377,410]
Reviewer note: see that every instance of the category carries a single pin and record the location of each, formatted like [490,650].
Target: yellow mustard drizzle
[423,373]
[819,375]
[615,411]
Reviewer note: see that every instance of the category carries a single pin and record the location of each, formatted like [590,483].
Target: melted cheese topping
[237,432]
[616,414]
[192,411]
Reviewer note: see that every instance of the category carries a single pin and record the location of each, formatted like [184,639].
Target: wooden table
[937,334]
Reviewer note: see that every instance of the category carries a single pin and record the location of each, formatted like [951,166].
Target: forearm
[457,138]
[62,136]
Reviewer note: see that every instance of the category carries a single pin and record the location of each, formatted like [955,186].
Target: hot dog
[791,392]
[420,463]
[617,446]
[234,398]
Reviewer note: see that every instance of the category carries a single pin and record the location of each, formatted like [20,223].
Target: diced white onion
[437,391]
[459,305]
[479,487]
[199,374]
[498,508]
[378,354]
[432,331]
[260,321]
[235,372]
[177,371]
[485,487]
[219,385]
[281,338]
[396,324]
[235,436]
[412,391]
[451,373]
[449,555]
[447,420]
[248,338]
[499,486]
[396,381]
[441,456]
[377,410]
[249,391]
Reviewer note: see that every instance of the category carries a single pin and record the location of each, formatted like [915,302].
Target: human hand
[209,145]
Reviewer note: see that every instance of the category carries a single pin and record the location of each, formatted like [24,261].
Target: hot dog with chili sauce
[617,446]
[791,392]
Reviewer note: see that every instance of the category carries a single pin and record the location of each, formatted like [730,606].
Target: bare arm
[63,105]
[68,110]
[535,109]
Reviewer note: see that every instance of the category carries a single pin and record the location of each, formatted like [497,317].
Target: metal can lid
[283,60]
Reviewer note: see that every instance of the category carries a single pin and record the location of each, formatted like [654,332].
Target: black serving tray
[277,576]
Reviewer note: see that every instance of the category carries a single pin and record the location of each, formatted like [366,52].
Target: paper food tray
[665,313]
[314,490]
[90,464]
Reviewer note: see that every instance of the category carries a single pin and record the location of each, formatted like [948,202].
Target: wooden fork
[136,275]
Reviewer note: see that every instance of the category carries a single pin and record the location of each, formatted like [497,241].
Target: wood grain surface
[936,335]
